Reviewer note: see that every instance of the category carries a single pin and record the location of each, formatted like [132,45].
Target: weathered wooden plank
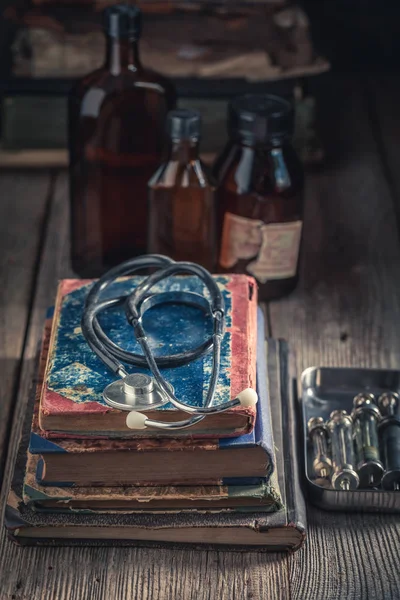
[119,573]
[345,312]
[102,573]
[23,200]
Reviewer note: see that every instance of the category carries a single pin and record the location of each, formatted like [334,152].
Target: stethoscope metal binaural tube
[136,305]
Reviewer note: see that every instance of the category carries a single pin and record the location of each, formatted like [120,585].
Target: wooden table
[345,312]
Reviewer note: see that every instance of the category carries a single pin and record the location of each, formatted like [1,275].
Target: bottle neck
[183,151]
[122,54]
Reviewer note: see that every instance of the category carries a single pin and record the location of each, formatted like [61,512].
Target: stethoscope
[138,392]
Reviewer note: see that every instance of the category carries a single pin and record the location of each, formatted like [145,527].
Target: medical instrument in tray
[389,429]
[318,434]
[366,417]
[351,417]
[344,476]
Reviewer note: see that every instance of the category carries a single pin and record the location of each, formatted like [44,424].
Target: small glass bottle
[116,136]
[260,195]
[181,197]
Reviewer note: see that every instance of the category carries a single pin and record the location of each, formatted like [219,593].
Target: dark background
[356,34]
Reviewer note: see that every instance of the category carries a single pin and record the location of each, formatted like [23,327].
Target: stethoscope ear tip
[136,420]
[248,398]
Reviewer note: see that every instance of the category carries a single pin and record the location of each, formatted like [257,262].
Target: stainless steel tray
[323,390]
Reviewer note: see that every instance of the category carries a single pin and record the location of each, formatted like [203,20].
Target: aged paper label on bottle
[274,248]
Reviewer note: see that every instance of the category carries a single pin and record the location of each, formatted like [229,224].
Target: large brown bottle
[260,195]
[116,133]
[181,197]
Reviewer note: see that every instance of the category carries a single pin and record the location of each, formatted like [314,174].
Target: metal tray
[323,390]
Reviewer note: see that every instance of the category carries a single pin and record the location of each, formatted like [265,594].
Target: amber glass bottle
[260,195]
[181,197]
[116,135]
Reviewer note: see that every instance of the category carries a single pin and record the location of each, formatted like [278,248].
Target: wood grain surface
[23,204]
[344,312]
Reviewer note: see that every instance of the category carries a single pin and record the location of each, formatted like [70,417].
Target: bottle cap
[123,21]
[260,118]
[184,124]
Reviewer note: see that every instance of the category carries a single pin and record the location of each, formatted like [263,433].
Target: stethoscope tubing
[113,356]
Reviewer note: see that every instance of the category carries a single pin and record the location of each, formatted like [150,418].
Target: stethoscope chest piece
[136,391]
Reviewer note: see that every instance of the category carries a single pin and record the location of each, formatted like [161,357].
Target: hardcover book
[264,496]
[245,460]
[72,401]
[281,530]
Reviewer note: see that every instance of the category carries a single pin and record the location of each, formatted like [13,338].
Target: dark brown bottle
[260,195]
[116,135]
[181,197]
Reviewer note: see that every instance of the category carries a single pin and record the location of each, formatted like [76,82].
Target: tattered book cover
[72,403]
[263,496]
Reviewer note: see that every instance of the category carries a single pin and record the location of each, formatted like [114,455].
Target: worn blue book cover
[72,401]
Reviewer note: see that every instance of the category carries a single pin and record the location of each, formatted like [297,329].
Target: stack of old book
[82,476]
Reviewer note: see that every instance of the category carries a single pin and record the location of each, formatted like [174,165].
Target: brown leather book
[263,496]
